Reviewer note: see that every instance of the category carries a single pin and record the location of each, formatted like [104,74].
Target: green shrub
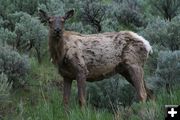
[13,65]
[163,33]
[31,35]
[7,37]
[109,26]
[1,21]
[151,64]
[127,13]
[5,87]
[53,7]
[167,9]
[79,27]
[92,12]
[167,73]
[111,93]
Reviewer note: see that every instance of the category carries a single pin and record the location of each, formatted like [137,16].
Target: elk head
[55,23]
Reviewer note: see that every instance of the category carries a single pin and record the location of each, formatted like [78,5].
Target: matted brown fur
[99,53]
[103,55]
[97,56]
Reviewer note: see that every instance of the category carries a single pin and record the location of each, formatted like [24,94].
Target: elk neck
[56,43]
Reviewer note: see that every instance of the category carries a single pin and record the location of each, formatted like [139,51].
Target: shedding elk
[94,57]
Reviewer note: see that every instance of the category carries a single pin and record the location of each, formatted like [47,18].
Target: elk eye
[62,20]
[50,21]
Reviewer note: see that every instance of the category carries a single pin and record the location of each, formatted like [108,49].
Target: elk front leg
[81,72]
[81,84]
[67,92]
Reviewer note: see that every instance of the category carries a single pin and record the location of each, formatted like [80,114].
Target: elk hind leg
[134,75]
[137,77]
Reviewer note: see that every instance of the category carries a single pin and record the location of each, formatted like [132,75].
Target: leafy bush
[111,93]
[92,12]
[13,65]
[54,7]
[167,73]
[168,9]
[163,33]
[7,37]
[151,63]
[109,26]
[5,87]
[1,21]
[79,27]
[31,34]
[127,12]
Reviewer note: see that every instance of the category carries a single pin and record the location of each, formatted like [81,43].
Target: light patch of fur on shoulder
[146,43]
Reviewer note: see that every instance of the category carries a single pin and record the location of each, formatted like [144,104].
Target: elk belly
[99,72]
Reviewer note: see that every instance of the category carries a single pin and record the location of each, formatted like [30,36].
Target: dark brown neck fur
[56,48]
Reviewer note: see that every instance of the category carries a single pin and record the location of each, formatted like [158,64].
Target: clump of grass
[43,73]
[89,113]
[50,107]
[151,110]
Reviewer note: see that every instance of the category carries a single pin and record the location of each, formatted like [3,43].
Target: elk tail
[146,43]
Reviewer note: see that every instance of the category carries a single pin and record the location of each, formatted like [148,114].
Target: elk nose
[57,30]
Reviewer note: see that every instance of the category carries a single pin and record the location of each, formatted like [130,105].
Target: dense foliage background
[31,88]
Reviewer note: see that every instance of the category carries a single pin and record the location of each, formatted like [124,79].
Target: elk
[94,57]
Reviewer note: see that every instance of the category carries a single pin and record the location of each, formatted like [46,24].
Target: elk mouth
[58,34]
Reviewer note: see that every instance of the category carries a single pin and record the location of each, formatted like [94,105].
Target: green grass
[52,109]
[42,100]
[151,110]
[45,103]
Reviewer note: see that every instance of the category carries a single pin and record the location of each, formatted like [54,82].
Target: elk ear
[43,16]
[68,14]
